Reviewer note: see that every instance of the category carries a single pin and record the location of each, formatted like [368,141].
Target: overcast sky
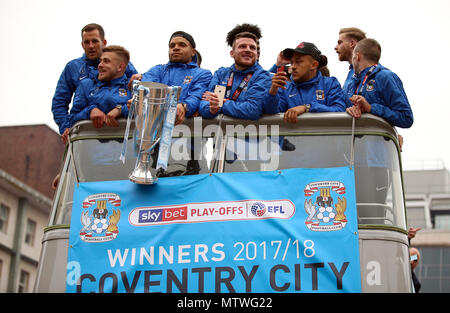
[40,37]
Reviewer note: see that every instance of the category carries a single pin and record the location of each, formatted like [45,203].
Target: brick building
[30,158]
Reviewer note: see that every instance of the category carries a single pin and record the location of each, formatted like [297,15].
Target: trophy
[151,102]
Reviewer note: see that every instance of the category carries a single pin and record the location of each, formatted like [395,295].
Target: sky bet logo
[162,215]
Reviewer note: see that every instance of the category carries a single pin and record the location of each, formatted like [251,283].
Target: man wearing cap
[93,41]
[181,70]
[245,82]
[104,99]
[308,90]
[375,89]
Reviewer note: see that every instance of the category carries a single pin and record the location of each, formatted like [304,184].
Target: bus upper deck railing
[307,123]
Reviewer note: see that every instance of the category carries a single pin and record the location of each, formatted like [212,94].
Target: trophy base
[148,180]
[142,174]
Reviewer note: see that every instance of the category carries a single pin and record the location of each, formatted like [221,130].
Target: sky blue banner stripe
[293,230]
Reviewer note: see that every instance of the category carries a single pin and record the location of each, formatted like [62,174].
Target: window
[442,221]
[4,216]
[433,270]
[417,215]
[23,281]
[30,232]
[99,159]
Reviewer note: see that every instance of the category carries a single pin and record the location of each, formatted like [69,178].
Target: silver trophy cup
[151,101]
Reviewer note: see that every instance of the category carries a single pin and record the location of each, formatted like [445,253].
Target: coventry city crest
[100,219]
[323,213]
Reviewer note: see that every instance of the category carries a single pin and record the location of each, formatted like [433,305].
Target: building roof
[32,154]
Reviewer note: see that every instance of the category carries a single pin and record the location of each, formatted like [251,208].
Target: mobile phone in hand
[220,93]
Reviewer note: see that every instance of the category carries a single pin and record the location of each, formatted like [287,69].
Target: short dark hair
[353,33]
[245,35]
[120,51]
[370,49]
[251,28]
[92,26]
[185,35]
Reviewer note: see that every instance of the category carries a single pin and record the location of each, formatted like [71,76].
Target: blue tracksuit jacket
[74,72]
[105,96]
[324,94]
[193,80]
[384,92]
[249,103]
[347,81]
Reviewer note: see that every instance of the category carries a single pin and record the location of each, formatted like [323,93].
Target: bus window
[98,160]
[189,156]
[283,152]
[379,193]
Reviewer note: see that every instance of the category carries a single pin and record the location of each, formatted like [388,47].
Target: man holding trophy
[181,70]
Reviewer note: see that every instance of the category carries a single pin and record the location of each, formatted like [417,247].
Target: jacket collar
[312,81]
[89,62]
[191,64]
[364,72]
[117,81]
[252,68]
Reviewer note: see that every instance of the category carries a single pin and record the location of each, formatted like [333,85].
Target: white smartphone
[220,93]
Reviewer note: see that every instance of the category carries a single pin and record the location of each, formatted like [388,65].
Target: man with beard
[245,27]
[104,99]
[348,38]
[181,70]
[245,82]
[308,90]
[93,42]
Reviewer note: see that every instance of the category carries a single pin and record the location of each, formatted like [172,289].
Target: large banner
[293,230]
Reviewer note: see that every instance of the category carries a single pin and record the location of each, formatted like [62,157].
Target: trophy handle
[169,124]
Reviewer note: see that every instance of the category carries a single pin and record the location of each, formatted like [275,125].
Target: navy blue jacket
[347,81]
[105,96]
[193,80]
[324,94]
[384,91]
[249,103]
[74,72]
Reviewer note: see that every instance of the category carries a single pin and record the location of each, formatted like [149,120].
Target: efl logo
[161,215]
[270,209]
[258,209]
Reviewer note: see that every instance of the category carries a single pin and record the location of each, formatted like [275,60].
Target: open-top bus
[317,140]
